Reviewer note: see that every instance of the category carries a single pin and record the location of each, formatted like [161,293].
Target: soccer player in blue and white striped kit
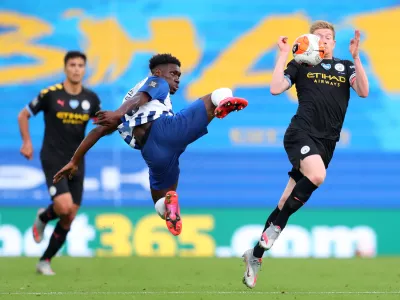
[146,122]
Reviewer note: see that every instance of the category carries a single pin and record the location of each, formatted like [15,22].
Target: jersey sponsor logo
[326,66]
[85,105]
[326,79]
[304,150]
[339,67]
[73,103]
[72,118]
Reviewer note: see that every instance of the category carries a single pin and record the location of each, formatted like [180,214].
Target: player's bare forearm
[361,84]
[133,103]
[278,83]
[92,138]
[23,123]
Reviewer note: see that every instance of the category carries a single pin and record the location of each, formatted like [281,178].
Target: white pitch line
[201,293]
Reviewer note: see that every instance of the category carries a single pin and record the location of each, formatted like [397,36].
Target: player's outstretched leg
[226,103]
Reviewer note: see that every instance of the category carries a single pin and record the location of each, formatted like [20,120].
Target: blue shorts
[169,136]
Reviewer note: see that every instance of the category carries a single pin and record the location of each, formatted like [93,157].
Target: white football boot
[253,265]
[38,227]
[269,236]
[43,267]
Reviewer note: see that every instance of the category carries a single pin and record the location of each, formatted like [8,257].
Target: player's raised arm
[113,118]
[92,138]
[279,83]
[360,83]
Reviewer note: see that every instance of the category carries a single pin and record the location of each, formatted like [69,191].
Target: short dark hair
[163,59]
[73,54]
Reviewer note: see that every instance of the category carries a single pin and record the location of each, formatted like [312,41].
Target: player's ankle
[220,94]
[48,215]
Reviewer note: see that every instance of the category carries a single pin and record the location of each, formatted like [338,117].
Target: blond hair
[322,25]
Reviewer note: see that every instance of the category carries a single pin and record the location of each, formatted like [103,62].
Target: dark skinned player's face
[171,73]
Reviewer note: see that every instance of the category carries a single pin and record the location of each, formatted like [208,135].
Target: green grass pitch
[200,278]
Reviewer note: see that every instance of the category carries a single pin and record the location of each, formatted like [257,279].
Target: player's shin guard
[160,208]
[49,214]
[56,241]
[299,196]
[259,251]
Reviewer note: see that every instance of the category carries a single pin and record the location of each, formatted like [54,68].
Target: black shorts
[299,144]
[73,186]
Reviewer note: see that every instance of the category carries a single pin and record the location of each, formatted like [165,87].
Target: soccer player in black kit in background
[67,108]
[323,92]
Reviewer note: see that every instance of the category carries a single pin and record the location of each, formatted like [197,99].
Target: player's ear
[157,72]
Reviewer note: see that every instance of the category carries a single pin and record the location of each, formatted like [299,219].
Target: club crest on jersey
[85,105]
[339,67]
[326,66]
[73,103]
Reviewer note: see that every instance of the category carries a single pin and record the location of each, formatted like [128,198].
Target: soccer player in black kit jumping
[323,92]
[67,108]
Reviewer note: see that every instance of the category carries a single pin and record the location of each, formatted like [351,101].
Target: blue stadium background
[241,162]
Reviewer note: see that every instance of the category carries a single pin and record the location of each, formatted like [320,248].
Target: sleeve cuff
[288,80]
[29,110]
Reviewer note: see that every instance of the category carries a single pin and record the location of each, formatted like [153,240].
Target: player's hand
[283,44]
[68,170]
[354,43]
[27,150]
[108,118]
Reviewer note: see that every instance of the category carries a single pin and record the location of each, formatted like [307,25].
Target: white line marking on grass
[201,293]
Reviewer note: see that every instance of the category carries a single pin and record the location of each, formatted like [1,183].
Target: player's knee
[63,204]
[317,178]
[63,208]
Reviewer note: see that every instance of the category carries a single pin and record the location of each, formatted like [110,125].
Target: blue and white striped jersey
[160,104]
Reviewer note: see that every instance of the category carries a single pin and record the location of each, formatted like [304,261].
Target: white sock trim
[160,208]
[220,94]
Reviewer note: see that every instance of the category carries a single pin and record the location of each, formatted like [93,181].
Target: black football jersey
[66,117]
[323,92]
